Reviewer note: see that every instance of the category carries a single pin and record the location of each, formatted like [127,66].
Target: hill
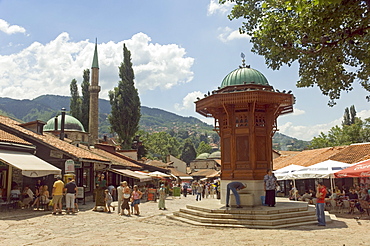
[152,119]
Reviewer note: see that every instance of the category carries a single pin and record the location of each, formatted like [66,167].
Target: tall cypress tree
[75,105]
[125,103]
[85,106]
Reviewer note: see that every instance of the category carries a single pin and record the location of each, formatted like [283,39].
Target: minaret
[94,90]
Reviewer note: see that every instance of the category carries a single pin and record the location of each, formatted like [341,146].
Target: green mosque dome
[202,156]
[215,155]
[244,75]
[71,124]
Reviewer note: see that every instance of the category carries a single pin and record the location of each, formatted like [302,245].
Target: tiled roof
[116,160]
[307,157]
[157,163]
[204,172]
[177,173]
[353,153]
[50,140]
[10,138]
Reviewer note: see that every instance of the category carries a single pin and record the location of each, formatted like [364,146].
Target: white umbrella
[285,172]
[323,170]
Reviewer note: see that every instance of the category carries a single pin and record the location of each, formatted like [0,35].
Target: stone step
[248,216]
[196,223]
[247,222]
[252,211]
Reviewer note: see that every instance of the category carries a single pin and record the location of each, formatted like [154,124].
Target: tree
[75,105]
[188,152]
[328,38]
[204,148]
[125,103]
[85,106]
[353,130]
[161,144]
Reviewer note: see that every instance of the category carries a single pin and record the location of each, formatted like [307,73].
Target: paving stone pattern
[27,227]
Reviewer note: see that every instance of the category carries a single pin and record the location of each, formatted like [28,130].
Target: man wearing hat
[234,187]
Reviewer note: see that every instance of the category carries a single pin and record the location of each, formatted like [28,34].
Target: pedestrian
[320,204]
[70,190]
[119,197]
[199,190]
[57,194]
[135,199]
[194,188]
[185,189]
[126,194]
[162,198]
[108,201]
[269,184]
[112,190]
[234,187]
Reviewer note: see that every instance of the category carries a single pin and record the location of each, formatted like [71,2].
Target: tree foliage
[85,106]
[75,105]
[204,148]
[353,130]
[161,144]
[125,103]
[328,38]
[188,152]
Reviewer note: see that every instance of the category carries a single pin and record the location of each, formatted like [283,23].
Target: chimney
[62,124]
[56,123]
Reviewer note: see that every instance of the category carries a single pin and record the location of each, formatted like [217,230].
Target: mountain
[48,106]
[152,119]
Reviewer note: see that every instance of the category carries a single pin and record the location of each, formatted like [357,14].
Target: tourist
[320,204]
[108,201]
[57,194]
[162,197]
[71,191]
[119,197]
[27,196]
[44,197]
[270,183]
[185,189]
[38,192]
[135,199]
[112,190]
[234,187]
[199,190]
[126,193]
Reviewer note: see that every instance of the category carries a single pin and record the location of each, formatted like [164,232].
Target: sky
[180,50]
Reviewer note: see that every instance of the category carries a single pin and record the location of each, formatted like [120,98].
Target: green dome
[244,75]
[71,124]
[202,156]
[215,155]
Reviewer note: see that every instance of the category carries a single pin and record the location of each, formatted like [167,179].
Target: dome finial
[243,60]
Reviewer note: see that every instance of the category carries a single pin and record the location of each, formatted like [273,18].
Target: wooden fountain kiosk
[245,109]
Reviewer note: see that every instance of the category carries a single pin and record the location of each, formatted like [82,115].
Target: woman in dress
[126,198]
[135,199]
[162,198]
[44,197]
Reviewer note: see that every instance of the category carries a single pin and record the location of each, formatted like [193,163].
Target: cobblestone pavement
[27,227]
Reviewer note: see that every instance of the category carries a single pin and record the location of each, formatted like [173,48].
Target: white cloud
[227,34]
[307,132]
[214,7]
[364,114]
[10,29]
[188,101]
[49,68]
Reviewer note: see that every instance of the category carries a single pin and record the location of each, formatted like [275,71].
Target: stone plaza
[28,227]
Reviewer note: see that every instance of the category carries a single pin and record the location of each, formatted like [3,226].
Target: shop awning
[132,174]
[31,165]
